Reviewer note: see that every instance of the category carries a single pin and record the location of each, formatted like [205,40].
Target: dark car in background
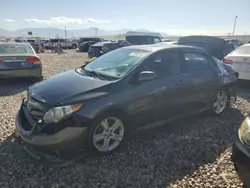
[101,48]
[236,42]
[125,89]
[19,60]
[85,42]
[142,38]
[216,46]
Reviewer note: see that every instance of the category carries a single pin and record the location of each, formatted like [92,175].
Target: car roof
[201,38]
[16,43]
[138,33]
[162,46]
[101,43]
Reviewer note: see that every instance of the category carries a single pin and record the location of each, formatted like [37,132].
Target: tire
[36,79]
[219,102]
[113,138]
[74,46]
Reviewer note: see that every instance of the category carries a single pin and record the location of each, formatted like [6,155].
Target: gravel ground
[194,152]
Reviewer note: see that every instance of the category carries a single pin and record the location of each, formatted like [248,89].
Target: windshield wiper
[95,74]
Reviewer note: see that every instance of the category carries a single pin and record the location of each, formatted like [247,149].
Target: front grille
[36,108]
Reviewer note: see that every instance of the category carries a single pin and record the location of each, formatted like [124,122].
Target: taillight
[237,74]
[1,60]
[226,61]
[34,60]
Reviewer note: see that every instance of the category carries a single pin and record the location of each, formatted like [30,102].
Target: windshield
[15,49]
[244,50]
[117,63]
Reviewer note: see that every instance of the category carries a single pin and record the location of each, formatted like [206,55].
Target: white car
[240,60]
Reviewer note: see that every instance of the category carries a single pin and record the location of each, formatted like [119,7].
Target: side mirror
[146,76]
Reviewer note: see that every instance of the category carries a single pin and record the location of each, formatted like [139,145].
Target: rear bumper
[35,71]
[244,75]
[241,160]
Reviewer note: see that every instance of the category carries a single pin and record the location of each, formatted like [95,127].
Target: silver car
[64,43]
[240,60]
[19,60]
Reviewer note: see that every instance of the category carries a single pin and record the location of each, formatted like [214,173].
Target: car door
[63,43]
[155,100]
[202,78]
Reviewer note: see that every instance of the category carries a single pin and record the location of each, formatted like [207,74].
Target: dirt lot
[194,152]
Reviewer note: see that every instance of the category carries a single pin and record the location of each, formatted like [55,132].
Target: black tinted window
[195,61]
[54,40]
[139,40]
[164,63]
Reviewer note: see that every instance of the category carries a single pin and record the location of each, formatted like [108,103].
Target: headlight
[56,114]
[244,132]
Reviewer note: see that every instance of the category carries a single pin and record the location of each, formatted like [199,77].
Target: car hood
[67,88]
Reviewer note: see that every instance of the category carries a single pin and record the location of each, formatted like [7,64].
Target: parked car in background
[74,43]
[172,42]
[101,48]
[241,152]
[167,40]
[123,90]
[236,42]
[216,46]
[141,38]
[85,42]
[64,43]
[16,40]
[19,60]
[240,60]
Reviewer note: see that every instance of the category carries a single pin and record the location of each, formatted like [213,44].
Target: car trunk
[241,63]
[8,62]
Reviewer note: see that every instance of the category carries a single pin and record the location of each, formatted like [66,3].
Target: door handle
[180,82]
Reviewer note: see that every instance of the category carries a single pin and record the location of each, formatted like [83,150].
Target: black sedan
[101,48]
[241,152]
[19,60]
[125,89]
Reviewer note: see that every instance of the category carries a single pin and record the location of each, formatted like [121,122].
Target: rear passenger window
[195,61]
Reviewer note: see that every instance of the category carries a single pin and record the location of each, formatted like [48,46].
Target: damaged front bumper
[57,148]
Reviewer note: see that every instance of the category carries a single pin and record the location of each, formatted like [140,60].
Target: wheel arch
[116,110]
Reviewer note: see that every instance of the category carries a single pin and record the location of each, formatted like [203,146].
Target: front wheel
[107,135]
[220,102]
[36,79]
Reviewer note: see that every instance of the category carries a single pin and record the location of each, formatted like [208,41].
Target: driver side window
[164,63]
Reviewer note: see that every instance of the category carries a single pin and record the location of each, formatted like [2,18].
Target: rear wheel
[107,134]
[36,79]
[74,46]
[220,102]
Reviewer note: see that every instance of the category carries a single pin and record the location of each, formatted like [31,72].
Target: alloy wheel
[220,102]
[108,134]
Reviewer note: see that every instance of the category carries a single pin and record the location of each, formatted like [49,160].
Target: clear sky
[171,17]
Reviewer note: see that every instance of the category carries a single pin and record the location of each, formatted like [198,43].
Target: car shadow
[13,86]
[151,158]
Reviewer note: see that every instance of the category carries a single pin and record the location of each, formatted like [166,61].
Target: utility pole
[65,32]
[234,24]
[96,30]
